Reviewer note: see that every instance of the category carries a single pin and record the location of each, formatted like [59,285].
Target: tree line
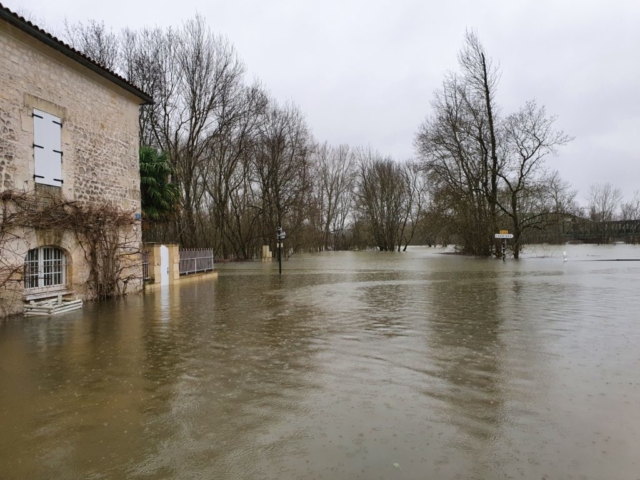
[223,164]
[242,163]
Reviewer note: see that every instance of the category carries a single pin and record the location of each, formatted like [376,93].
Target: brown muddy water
[352,365]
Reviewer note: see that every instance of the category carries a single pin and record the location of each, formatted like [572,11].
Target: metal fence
[196,260]
[145,266]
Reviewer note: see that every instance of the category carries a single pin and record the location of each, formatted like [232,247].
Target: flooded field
[369,365]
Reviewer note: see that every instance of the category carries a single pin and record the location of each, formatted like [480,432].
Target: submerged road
[351,365]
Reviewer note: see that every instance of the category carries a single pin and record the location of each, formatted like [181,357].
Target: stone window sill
[40,293]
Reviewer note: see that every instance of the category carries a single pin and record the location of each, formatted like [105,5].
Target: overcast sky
[364,72]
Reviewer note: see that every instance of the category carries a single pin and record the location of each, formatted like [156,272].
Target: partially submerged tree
[481,79]
[486,166]
[281,171]
[529,137]
[458,145]
[415,204]
[227,162]
[382,193]
[334,172]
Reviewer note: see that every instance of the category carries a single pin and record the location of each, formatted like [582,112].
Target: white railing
[196,260]
[145,266]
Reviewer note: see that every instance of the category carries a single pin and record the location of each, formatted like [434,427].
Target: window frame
[45,268]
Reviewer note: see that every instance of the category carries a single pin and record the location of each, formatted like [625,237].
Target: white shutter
[47,148]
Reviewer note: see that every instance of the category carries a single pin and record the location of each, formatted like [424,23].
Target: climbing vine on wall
[105,233]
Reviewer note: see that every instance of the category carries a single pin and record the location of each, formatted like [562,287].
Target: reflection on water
[352,365]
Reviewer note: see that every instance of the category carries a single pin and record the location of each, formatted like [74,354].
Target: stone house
[68,129]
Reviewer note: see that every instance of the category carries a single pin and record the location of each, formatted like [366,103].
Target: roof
[57,44]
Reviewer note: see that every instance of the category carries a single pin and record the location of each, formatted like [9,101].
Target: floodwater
[352,365]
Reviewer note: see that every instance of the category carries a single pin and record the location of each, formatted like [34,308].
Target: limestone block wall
[99,130]
[100,123]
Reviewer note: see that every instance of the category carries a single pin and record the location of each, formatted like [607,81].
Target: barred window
[45,267]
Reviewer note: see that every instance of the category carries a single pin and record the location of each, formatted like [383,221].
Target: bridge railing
[603,232]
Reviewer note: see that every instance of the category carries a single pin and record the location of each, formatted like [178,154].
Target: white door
[164,265]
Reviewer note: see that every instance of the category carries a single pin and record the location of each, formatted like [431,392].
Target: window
[45,267]
[47,148]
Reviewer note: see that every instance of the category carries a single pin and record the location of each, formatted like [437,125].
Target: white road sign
[504,235]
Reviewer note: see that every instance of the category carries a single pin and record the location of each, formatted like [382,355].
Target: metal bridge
[601,232]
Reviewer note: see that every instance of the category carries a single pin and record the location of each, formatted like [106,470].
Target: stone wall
[99,132]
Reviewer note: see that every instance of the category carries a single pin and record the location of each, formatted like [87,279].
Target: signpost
[280,236]
[504,235]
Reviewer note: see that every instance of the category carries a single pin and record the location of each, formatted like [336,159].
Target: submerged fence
[196,260]
[145,266]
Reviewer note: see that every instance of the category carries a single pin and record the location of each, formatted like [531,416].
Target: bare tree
[233,142]
[197,83]
[631,210]
[95,40]
[281,171]
[481,82]
[455,163]
[30,16]
[148,60]
[603,201]
[563,197]
[416,198]
[460,146]
[334,174]
[382,192]
[529,138]
[481,165]
[245,215]
[563,204]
